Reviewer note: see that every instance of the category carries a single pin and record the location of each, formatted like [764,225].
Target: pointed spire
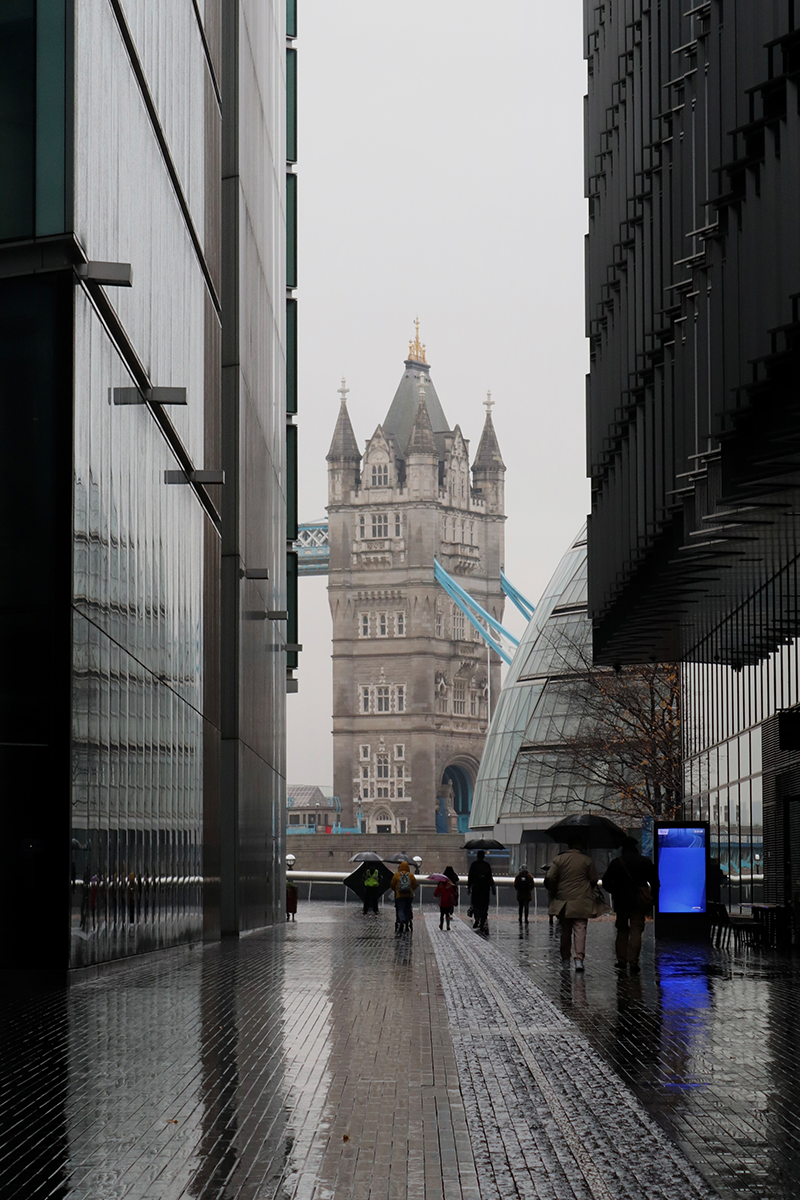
[422,440]
[416,349]
[344,445]
[488,453]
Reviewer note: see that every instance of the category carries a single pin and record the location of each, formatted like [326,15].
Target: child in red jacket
[447,895]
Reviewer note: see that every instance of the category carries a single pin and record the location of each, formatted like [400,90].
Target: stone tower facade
[412,680]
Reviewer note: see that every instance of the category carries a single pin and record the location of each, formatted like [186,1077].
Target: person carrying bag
[572,884]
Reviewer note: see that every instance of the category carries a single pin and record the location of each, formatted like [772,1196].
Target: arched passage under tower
[455,793]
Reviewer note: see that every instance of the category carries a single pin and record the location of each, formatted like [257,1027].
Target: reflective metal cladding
[141,713]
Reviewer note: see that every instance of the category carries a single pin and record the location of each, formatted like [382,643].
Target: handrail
[340,876]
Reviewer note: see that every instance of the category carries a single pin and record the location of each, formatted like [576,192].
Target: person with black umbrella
[631,879]
[372,889]
[480,882]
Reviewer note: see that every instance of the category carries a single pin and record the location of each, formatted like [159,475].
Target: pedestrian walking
[523,886]
[571,882]
[631,879]
[447,895]
[480,882]
[291,899]
[403,885]
[372,890]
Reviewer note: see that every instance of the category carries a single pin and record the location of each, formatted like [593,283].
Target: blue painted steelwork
[313,548]
[517,599]
[472,610]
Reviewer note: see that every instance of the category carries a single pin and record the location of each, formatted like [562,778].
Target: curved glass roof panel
[521,770]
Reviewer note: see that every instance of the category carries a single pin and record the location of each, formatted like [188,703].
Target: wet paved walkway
[330,1060]
[707,1039]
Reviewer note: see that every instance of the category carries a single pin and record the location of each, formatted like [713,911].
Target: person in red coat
[447,895]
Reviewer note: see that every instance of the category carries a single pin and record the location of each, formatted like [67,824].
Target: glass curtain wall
[141,195]
[730,764]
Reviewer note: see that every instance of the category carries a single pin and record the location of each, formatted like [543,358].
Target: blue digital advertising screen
[681,864]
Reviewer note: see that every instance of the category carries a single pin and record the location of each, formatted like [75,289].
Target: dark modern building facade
[693,288]
[147,342]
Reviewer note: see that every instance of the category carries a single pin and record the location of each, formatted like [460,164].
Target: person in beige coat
[571,881]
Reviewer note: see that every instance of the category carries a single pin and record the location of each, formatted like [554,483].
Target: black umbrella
[366,856]
[535,835]
[400,858]
[356,881]
[598,833]
[483,844]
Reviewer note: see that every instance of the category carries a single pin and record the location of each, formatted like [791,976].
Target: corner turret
[488,468]
[344,457]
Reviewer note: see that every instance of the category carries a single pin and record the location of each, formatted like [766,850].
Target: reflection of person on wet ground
[571,881]
[403,885]
[480,882]
[447,895]
[87,879]
[523,886]
[372,889]
[627,879]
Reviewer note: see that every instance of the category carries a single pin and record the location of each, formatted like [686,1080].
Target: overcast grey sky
[441,175]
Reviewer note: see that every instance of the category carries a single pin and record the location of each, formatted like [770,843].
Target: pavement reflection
[707,1038]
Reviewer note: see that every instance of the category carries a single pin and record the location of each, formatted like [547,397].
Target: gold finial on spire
[416,351]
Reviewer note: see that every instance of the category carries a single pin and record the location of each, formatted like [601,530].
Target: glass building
[693,280]
[524,783]
[145,351]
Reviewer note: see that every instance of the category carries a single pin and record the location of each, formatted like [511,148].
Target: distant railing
[312,877]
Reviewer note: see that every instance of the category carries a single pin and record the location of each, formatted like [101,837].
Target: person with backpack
[447,895]
[632,881]
[480,882]
[403,885]
[372,890]
[523,886]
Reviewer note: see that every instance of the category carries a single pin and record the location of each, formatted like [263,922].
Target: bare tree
[618,749]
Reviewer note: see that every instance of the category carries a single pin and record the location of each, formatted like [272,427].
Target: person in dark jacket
[480,883]
[523,886]
[624,878]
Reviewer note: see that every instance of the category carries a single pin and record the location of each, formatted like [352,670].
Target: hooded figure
[403,885]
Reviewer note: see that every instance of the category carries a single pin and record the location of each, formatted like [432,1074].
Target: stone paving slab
[549,1119]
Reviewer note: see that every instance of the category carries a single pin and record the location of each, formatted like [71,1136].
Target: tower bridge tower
[411,680]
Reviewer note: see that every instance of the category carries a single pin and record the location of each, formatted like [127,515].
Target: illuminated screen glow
[682,870]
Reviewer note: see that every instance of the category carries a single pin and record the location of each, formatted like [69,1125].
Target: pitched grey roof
[343,443]
[403,410]
[488,454]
